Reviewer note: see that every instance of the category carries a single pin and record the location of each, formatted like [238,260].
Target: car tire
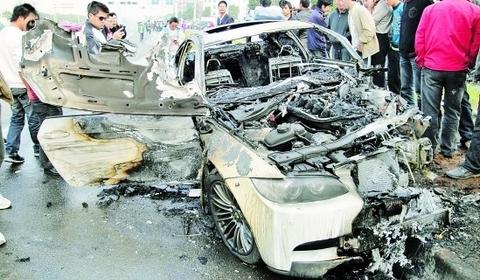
[229,221]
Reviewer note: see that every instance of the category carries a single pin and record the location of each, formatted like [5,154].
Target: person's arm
[474,45]
[476,71]
[92,46]
[124,31]
[420,38]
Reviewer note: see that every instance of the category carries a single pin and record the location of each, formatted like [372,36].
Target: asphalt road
[55,231]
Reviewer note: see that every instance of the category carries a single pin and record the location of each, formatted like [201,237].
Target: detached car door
[154,138]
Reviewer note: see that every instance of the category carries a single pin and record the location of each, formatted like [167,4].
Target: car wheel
[230,222]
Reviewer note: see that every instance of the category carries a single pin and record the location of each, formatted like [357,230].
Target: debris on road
[26,259]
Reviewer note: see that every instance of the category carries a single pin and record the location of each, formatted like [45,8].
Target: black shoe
[51,171]
[15,158]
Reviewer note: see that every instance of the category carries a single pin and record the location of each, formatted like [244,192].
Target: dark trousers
[394,71]
[42,111]
[432,85]
[20,108]
[380,58]
[320,53]
[472,158]
[465,128]
[340,53]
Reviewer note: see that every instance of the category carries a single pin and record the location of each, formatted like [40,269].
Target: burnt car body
[289,150]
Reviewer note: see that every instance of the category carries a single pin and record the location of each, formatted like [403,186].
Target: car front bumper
[282,232]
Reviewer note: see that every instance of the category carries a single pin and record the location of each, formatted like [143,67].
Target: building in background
[134,10]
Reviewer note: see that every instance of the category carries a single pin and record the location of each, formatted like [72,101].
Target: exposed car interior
[253,61]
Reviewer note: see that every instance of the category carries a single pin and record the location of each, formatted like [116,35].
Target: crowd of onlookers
[429,49]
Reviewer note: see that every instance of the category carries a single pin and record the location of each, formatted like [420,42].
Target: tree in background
[252,4]
[187,13]
[233,11]
[207,12]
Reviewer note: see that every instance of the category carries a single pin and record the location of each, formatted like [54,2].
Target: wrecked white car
[298,158]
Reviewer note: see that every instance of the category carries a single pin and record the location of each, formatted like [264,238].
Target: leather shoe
[461,173]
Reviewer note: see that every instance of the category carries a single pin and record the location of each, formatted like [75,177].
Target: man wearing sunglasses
[23,18]
[97,15]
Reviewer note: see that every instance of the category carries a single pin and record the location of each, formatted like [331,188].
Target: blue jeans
[410,81]
[20,108]
[433,85]
[472,158]
[42,111]
[465,127]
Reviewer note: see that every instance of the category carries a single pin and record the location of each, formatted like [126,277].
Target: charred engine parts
[417,153]
[285,133]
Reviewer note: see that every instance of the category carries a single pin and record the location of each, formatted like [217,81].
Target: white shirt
[174,38]
[11,55]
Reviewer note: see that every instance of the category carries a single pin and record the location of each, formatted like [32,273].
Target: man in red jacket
[446,43]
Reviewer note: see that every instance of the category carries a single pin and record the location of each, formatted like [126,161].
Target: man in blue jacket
[317,42]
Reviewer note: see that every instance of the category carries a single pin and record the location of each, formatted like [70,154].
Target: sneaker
[14,158]
[4,203]
[2,239]
[461,173]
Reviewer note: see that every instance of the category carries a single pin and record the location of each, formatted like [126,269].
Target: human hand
[118,35]
[360,47]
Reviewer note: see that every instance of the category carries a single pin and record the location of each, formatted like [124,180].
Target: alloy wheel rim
[234,229]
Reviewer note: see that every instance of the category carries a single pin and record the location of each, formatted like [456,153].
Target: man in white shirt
[174,35]
[23,18]
[267,12]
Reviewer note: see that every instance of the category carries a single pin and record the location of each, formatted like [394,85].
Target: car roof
[247,29]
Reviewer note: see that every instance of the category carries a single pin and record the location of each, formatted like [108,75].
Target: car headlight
[298,189]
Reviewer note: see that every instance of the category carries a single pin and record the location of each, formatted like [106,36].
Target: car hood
[61,72]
